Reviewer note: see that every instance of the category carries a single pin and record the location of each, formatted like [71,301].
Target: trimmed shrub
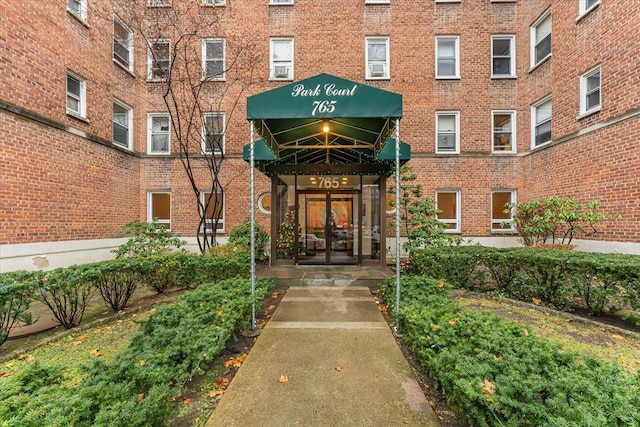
[498,373]
[117,280]
[66,291]
[16,294]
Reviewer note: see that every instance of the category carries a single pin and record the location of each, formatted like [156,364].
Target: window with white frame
[122,44]
[76,95]
[377,59]
[212,204]
[78,8]
[214,2]
[541,122]
[159,3]
[585,6]
[541,39]
[447,132]
[159,208]
[159,135]
[447,57]
[213,133]
[281,59]
[213,59]
[159,61]
[122,124]
[504,131]
[503,56]
[590,91]
[448,205]
[502,211]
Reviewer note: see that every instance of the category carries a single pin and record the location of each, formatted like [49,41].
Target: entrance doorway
[329,224]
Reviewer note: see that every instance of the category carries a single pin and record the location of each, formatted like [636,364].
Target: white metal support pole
[253,227]
[397,218]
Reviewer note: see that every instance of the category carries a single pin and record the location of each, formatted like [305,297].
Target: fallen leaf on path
[83,337]
[283,379]
[186,402]
[96,352]
[10,364]
[339,368]
[618,337]
[536,301]
[275,295]
[382,307]
[222,382]
[27,357]
[76,343]
[97,331]
[272,307]
[235,362]
[4,374]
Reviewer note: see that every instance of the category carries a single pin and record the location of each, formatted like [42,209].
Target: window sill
[509,231]
[504,152]
[587,12]
[280,79]
[77,116]
[156,80]
[447,153]
[377,2]
[447,77]
[544,144]
[281,4]
[159,153]
[79,18]
[589,113]
[223,79]
[124,68]
[453,232]
[377,78]
[503,77]
[542,61]
[122,146]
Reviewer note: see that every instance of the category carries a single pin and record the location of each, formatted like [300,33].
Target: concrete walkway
[342,365]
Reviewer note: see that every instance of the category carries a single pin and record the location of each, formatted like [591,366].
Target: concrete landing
[342,364]
[334,275]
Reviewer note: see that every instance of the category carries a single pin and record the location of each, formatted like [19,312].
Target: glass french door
[329,227]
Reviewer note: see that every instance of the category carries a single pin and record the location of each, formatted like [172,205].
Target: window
[590,91]
[447,132]
[504,128]
[76,95]
[122,124]
[159,136]
[447,54]
[122,45]
[159,208]
[501,220]
[264,203]
[541,39]
[214,2]
[213,67]
[585,6]
[377,62]
[213,206]
[78,8]
[541,122]
[159,59]
[448,203]
[503,56]
[213,133]
[281,59]
[159,3]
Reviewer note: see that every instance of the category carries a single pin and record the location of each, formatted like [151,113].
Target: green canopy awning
[324,119]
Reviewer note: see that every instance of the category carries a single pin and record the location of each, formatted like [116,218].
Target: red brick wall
[59,186]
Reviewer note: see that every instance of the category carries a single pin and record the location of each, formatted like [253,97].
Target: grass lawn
[575,335]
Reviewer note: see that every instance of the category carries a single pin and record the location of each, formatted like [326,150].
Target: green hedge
[67,291]
[555,277]
[176,343]
[497,373]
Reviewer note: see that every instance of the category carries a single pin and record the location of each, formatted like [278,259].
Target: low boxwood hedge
[174,344]
[497,373]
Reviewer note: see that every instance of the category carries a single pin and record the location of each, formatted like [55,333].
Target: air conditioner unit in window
[280,71]
[376,69]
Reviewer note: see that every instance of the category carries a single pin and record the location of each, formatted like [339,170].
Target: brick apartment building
[501,100]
